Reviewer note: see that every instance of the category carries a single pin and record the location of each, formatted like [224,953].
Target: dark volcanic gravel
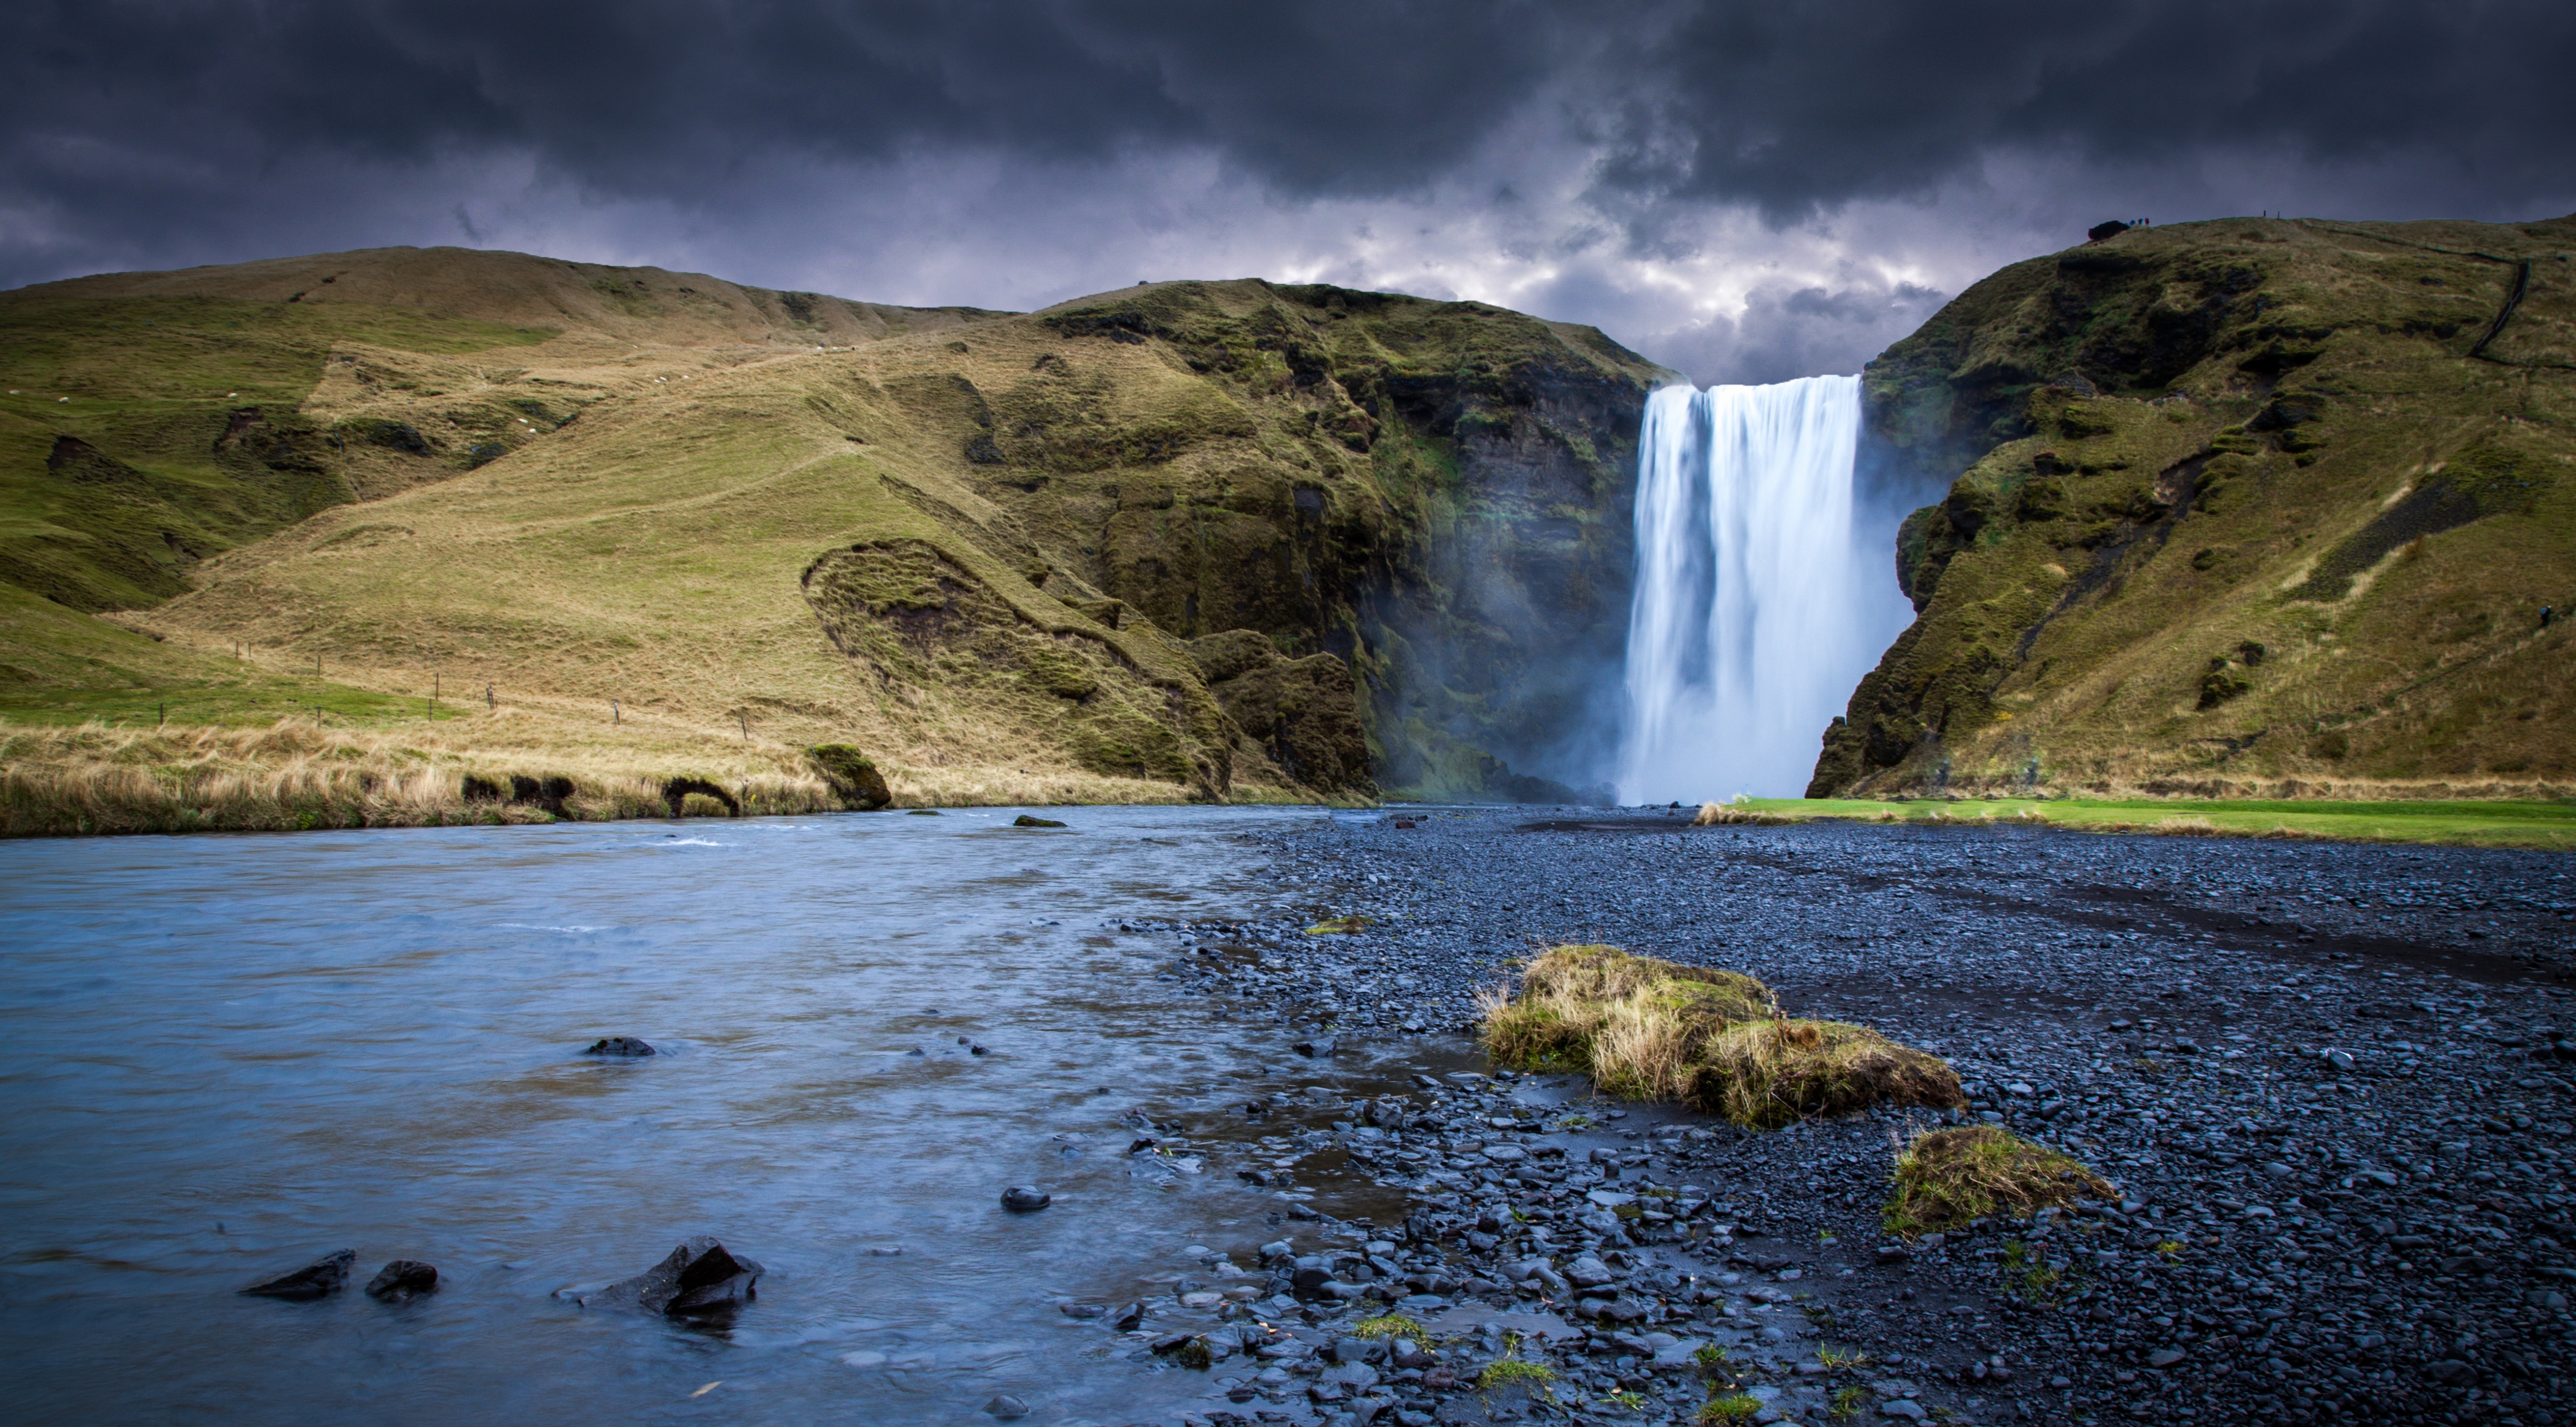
[2330,1082]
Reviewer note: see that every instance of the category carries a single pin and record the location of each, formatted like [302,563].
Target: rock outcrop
[2239,506]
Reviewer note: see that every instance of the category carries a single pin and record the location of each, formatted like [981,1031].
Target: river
[224,1056]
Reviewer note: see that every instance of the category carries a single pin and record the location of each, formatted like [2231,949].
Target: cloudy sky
[1744,191]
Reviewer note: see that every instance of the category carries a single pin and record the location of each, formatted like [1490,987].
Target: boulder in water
[624,1046]
[699,1279]
[1025,820]
[402,1280]
[319,1279]
[1022,1199]
[1007,1408]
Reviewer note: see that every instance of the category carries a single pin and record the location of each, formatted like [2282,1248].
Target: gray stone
[1356,1350]
[1023,1199]
[1589,1272]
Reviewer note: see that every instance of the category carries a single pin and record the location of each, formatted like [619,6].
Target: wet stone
[620,1047]
[701,1278]
[402,1280]
[319,1279]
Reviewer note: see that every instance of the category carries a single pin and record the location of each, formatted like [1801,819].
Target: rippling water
[221,1057]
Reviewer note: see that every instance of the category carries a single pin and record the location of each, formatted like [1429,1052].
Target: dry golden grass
[1765,1074]
[1630,1021]
[58,779]
[291,775]
[1731,814]
[1953,1176]
[1646,1029]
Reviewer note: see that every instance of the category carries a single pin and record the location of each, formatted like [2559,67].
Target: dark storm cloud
[1798,107]
[663,95]
[1794,106]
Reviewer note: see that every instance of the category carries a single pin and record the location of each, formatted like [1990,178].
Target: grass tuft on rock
[1950,1177]
[1507,1372]
[1646,1029]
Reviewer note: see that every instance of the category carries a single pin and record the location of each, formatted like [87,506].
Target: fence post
[746,725]
[613,715]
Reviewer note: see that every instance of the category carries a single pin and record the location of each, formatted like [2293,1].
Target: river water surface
[224,1056]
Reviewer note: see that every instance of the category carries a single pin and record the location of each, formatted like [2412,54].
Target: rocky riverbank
[2331,1085]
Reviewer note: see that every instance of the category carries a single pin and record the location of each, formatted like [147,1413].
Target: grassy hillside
[1013,557]
[2240,508]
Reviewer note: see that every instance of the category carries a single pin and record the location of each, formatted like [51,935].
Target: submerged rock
[1025,820]
[1007,1408]
[402,1280]
[620,1046]
[319,1279]
[699,1278]
[1022,1199]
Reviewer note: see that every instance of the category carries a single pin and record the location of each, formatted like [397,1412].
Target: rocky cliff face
[1435,493]
[2233,506]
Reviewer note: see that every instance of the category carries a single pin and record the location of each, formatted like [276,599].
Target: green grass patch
[61,667]
[2453,822]
[1507,1372]
[1388,1325]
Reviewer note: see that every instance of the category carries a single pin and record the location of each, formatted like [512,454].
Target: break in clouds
[1744,192]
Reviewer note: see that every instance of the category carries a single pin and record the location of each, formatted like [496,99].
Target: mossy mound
[1647,1029]
[1950,1177]
[852,774]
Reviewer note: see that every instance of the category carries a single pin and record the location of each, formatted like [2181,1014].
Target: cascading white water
[1758,606]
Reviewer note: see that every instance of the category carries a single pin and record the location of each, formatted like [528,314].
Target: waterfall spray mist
[1761,598]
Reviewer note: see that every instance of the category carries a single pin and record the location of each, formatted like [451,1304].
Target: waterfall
[1759,600]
